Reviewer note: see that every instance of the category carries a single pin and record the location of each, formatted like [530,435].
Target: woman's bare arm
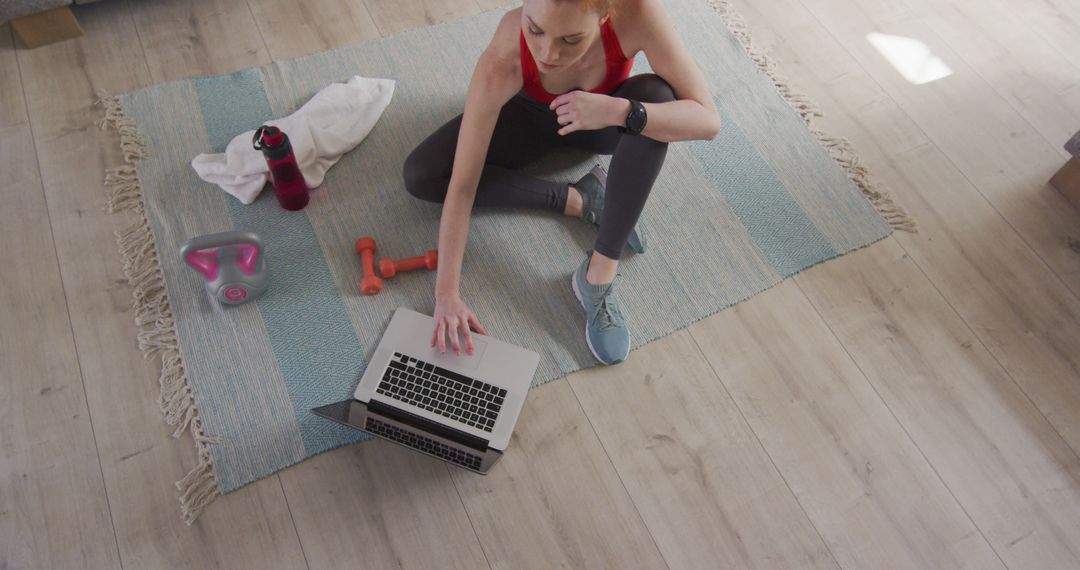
[495,80]
[693,116]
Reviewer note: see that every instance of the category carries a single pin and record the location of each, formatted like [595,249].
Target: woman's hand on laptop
[452,316]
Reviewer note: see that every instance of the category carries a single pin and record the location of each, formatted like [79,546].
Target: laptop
[457,408]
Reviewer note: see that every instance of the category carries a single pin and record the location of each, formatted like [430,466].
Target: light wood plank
[1017,61]
[12,105]
[526,512]
[486,5]
[985,270]
[861,480]
[394,16]
[54,512]
[708,492]
[993,146]
[139,459]
[1015,476]
[378,505]
[189,39]
[1056,20]
[292,29]
[554,500]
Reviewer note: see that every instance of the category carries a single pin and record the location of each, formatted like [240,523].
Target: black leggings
[528,129]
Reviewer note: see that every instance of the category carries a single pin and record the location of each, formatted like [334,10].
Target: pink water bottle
[289,185]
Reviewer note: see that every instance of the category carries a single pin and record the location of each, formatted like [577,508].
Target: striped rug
[728,218]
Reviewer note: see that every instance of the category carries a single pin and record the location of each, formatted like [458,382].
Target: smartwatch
[635,119]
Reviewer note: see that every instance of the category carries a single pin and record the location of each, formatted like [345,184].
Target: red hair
[602,7]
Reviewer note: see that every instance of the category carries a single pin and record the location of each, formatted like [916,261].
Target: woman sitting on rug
[582,50]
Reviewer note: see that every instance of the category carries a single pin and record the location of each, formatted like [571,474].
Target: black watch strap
[635,119]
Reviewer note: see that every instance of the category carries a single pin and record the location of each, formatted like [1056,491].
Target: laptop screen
[401,428]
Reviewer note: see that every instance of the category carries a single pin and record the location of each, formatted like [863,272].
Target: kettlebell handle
[198,252]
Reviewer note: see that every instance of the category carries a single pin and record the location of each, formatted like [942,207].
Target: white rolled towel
[332,123]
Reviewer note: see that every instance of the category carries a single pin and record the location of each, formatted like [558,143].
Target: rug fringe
[157,336]
[122,186]
[838,148]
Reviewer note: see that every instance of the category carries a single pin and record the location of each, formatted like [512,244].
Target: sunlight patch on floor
[911,57]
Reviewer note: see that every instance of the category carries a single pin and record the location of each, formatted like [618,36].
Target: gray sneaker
[592,187]
[605,328]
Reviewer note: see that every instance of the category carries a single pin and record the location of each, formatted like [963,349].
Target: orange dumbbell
[389,267]
[370,284]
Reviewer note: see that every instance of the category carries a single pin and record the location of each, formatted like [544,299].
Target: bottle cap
[267,136]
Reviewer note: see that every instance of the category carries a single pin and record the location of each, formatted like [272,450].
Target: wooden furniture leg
[47,27]
[1067,181]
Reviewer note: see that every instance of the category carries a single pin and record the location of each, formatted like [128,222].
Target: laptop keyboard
[419,442]
[441,391]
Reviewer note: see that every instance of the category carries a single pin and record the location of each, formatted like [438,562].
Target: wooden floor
[915,404]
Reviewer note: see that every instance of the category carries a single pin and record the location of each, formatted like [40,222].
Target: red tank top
[618,67]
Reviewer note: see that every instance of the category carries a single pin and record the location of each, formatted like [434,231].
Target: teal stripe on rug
[782,230]
[316,347]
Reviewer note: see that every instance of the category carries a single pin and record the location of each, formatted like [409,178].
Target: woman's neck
[583,62]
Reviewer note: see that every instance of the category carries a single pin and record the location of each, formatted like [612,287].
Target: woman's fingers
[476,326]
[440,329]
[466,334]
[561,101]
[452,332]
[451,326]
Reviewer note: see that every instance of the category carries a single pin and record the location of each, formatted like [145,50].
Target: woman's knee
[649,88]
[421,180]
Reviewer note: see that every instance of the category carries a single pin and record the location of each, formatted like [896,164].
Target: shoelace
[607,314]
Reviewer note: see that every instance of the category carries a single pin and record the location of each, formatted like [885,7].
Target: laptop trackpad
[465,361]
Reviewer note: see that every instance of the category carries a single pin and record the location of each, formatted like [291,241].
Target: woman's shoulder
[500,64]
[505,42]
[632,21]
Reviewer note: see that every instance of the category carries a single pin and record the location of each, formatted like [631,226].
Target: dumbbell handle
[370,284]
[368,259]
[389,267]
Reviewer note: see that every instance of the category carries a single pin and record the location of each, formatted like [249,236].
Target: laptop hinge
[424,424]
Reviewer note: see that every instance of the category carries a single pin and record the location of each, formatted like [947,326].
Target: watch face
[635,121]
